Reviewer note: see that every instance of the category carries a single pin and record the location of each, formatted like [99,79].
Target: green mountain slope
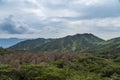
[110,46]
[78,43]
[29,44]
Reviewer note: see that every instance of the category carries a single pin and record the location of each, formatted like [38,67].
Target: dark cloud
[12,26]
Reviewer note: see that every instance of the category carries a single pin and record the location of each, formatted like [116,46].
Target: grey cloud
[56,19]
[111,8]
[58,4]
[12,26]
[108,8]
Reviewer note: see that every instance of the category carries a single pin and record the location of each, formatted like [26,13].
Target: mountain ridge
[78,42]
[86,42]
[29,44]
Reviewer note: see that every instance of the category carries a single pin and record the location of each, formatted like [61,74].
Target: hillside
[67,66]
[29,44]
[109,46]
[3,51]
[78,42]
[61,65]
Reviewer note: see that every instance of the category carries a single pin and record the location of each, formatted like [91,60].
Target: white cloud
[89,3]
[38,12]
[62,13]
[32,1]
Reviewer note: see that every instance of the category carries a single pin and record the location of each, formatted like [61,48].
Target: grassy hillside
[109,46]
[29,44]
[77,43]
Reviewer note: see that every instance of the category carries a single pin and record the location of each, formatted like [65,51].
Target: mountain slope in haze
[29,44]
[78,43]
[9,42]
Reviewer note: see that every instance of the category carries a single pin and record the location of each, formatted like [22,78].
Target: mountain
[109,46]
[29,44]
[78,42]
[9,42]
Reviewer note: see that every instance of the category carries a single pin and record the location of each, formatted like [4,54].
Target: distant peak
[89,34]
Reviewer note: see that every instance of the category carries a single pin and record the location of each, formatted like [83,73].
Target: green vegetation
[29,44]
[77,43]
[66,66]
[78,57]
[3,51]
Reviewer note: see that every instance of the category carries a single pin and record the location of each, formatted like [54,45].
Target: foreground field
[54,66]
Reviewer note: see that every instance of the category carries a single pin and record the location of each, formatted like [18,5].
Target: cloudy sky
[58,18]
